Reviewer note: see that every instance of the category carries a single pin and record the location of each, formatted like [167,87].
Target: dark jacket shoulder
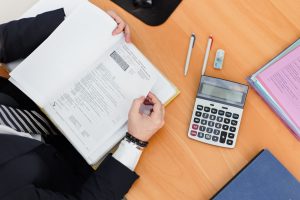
[20,37]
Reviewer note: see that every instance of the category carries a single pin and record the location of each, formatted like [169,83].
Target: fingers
[157,105]
[158,108]
[148,101]
[158,116]
[135,107]
[120,22]
[127,33]
[115,17]
[122,26]
[153,98]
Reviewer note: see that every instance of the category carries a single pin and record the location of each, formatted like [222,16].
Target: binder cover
[264,178]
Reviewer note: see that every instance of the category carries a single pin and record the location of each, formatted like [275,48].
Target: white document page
[163,89]
[47,76]
[74,45]
[96,104]
[44,6]
[47,5]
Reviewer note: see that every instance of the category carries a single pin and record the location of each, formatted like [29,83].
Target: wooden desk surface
[251,32]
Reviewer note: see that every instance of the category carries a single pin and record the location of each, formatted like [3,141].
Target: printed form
[282,81]
[97,103]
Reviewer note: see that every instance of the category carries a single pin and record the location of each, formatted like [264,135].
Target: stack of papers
[278,83]
[85,79]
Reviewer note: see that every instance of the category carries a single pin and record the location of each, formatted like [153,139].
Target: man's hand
[144,126]
[122,26]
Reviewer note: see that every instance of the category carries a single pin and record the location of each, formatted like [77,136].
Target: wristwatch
[139,143]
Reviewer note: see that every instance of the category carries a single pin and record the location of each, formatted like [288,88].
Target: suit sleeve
[111,181]
[19,38]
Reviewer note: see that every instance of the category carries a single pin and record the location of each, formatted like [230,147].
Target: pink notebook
[282,81]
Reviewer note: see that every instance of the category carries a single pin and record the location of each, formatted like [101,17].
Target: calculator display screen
[222,93]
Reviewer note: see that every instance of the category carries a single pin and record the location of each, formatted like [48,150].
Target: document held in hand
[85,79]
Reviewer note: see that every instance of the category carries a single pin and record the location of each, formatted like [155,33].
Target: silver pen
[188,57]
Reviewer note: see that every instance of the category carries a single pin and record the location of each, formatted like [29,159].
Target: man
[36,162]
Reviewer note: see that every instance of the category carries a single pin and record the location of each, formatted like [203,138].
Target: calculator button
[207,136]
[211,124]
[229,142]
[230,135]
[202,128]
[228,114]
[217,132]
[223,137]
[203,122]
[206,109]
[212,117]
[233,122]
[196,120]
[209,130]
[221,112]
[232,129]
[226,121]
[205,115]
[218,125]
[215,138]
[235,116]
[198,114]
[200,135]
[195,126]
[193,133]
[219,119]
[225,127]
[214,111]
[199,107]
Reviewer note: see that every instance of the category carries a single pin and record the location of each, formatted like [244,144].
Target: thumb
[135,107]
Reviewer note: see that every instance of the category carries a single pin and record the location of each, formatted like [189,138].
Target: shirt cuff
[128,154]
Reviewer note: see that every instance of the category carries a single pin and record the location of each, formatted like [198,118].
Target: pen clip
[212,41]
[194,39]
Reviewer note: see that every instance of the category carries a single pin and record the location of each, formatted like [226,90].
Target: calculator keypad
[205,115]
[196,120]
[199,107]
[215,124]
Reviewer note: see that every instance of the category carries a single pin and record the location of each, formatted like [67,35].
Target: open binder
[84,79]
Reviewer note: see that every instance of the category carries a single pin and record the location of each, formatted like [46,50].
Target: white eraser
[219,59]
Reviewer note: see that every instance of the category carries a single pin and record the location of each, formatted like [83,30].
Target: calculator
[218,112]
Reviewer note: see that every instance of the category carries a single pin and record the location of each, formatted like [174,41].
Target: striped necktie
[26,121]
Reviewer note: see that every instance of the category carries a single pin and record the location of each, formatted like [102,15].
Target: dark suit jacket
[33,170]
